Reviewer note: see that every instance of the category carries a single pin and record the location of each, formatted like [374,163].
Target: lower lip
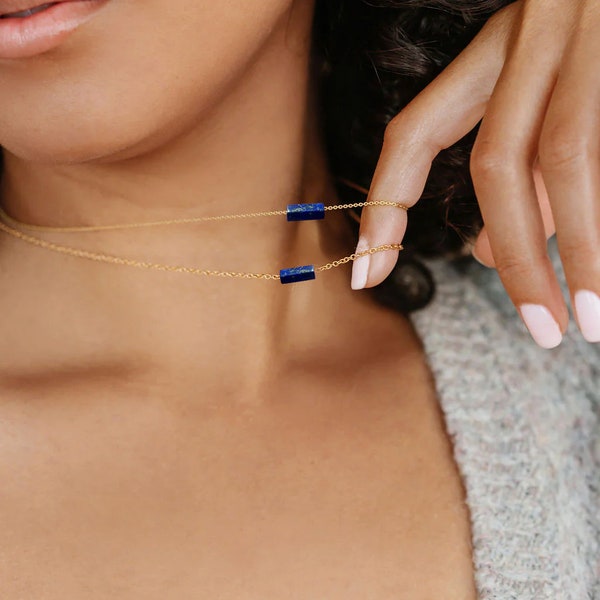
[40,32]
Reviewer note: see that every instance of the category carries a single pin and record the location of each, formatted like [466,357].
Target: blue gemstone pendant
[305,212]
[297,274]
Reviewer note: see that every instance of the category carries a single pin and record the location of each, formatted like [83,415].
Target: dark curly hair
[372,57]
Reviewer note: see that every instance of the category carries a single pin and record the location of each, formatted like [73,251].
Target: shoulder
[525,426]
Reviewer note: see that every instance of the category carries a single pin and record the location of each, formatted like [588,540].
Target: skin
[534,163]
[163,436]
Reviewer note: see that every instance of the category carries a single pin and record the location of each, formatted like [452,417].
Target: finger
[502,169]
[445,111]
[570,162]
[482,251]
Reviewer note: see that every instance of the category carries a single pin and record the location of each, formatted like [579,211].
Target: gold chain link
[107,258]
[271,213]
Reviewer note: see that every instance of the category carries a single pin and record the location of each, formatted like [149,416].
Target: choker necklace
[293,212]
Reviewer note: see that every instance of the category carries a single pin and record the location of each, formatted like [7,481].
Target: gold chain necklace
[294,212]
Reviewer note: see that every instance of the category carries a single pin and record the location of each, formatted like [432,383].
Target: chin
[91,126]
[60,151]
[69,140]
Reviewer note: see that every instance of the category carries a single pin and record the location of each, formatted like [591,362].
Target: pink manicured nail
[541,324]
[360,267]
[474,255]
[587,309]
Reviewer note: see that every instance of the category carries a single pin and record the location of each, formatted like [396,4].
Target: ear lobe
[482,251]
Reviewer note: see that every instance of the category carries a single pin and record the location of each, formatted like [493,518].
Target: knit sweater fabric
[525,428]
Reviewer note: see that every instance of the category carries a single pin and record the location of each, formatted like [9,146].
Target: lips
[25,11]
[31,27]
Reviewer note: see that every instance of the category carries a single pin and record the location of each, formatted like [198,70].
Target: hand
[531,76]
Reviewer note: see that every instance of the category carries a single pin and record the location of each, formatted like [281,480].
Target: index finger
[444,112]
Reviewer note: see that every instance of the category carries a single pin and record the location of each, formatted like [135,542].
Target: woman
[166,436]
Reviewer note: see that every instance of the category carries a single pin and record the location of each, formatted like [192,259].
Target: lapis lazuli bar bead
[297,274]
[305,212]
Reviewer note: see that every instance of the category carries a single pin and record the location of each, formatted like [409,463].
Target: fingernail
[587,309]
[474,255]
[541,324]
[360,267]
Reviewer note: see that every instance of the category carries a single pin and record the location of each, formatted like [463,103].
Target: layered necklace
[293,213]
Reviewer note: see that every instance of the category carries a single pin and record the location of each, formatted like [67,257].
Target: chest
[129,496]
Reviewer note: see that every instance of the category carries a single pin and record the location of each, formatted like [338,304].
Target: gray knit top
[525,426]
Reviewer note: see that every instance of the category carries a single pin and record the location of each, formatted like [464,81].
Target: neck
[257,148]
